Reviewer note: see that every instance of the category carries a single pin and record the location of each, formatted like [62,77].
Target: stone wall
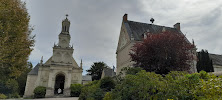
[217,68]
[123,58]
[30,85]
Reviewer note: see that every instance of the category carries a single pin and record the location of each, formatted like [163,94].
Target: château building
[133,32]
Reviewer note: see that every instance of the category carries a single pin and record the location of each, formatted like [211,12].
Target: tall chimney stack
[125,17]
[177,26]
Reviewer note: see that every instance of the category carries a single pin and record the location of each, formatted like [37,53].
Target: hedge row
[175,85]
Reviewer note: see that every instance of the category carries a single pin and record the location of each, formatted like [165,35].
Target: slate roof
[217,59]
[109,72]
[87,78]
[138,29]
[35,70]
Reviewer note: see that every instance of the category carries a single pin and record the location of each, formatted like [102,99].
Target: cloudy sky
[95,24]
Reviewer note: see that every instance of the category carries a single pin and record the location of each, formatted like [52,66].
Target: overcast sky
[95,24]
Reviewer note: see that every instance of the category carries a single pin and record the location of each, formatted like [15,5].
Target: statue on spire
[65,25]
[41,61]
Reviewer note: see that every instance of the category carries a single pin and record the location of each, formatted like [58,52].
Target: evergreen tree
[96,70]
[204,61]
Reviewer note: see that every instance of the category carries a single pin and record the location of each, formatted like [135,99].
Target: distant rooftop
[217,59]
[35,70]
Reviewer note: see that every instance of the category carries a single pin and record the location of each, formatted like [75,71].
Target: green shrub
[14,95]
[88,89]
[175,85]
[148,85]
[97,94]
[39,92]
[2,96]
[92,91]
[107,83]
[133,70]
[12,86]
[142,86]
[108,96]
[75,90]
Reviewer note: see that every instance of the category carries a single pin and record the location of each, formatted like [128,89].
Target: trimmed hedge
[75,90]
[39,92]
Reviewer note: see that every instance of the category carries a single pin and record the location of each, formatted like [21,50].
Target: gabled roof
[35,70]
[217,59]
[137,29]
[108,72]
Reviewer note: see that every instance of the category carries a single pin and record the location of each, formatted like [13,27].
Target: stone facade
[133,32]
[217,68]
[59,71]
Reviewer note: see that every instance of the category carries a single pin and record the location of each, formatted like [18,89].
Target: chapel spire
[65,25]
[64,36]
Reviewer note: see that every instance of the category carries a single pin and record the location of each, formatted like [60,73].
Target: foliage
[162,53]
[97,89]
[89,90]
[12,86]
[204,62]
[131,70]
[107,83]
[75,90]
[39,92]
[16,45]
[14,95]
[22,79]
[142,86]
[108,96]
[9,87]
[15,35]
[96,70]
[97,94]
[2,96]
[175,85]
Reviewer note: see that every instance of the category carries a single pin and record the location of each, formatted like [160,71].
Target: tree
[16,44]
[22,79]
[96,70]
[163,52]
[204,62]
[15,38]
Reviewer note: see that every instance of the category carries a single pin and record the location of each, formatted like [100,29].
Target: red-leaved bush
[163,52]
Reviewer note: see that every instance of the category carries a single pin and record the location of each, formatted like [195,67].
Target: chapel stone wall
[30,85]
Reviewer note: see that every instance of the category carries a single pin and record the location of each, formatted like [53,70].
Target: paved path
[68,98]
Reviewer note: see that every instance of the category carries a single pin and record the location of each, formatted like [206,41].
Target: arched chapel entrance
[59,84]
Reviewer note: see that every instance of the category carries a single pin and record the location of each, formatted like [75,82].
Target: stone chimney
[125,17]
[177,26]
[164,29]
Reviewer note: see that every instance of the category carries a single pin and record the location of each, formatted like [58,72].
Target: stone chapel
[59,71]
